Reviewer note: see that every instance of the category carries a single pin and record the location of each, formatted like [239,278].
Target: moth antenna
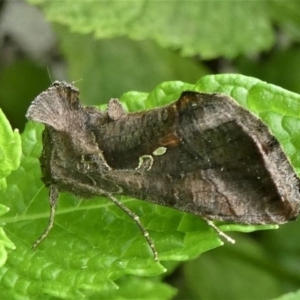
[53,197]
[75,81]
[49,74]
[53,106]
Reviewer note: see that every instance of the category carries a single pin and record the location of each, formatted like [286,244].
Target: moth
[202,154]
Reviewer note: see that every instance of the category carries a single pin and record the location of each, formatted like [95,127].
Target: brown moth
[202,154]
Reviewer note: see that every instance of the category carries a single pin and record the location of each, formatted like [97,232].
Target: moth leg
[130,213]
[136,219]
[218,231]
[97,191]
[145,163]
[53,197]
[100,160]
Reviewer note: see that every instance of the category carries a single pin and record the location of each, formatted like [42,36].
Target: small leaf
[5,242]
[10,147]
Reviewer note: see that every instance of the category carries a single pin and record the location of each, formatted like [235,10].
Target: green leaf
[168,22]
[94,244]
[10,155]
[133,287]
[290,296]
[5,242]
[10,147]
[287,15]
[214,269]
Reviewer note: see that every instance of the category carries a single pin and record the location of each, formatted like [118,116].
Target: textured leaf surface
[10,147]
[10,155]
[94,244]
[167,22]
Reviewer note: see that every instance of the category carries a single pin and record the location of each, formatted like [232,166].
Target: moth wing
[226,165]
[250,177]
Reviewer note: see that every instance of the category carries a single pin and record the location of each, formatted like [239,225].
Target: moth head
[55,106]
[59,109]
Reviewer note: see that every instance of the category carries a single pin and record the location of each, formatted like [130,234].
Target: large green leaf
[94,244]
[195,27]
